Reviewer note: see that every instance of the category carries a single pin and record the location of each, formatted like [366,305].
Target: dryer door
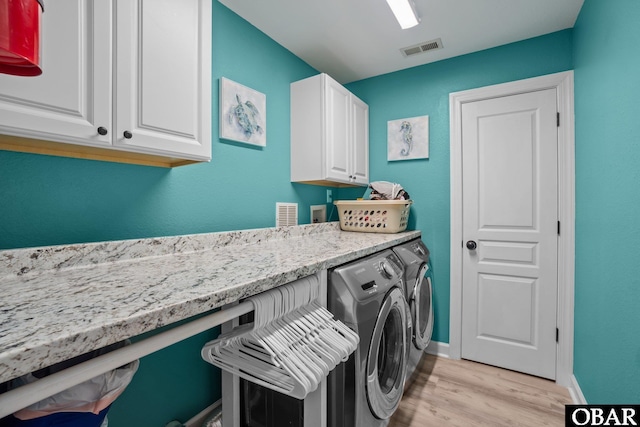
[386,357]
[422,309]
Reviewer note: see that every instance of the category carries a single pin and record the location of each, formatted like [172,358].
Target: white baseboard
[575,392]
[199,419]
[440,349]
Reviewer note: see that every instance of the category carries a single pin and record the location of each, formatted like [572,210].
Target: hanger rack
[19,398]
[292,344]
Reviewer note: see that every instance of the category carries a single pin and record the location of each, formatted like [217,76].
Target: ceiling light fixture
[405,13]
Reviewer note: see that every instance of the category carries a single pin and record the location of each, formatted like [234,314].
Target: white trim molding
[563,83]
[440,349]
[576,393]
[201,417]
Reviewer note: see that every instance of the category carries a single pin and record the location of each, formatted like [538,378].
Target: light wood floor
[468,394]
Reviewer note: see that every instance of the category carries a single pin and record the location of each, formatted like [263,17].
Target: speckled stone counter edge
[39,259]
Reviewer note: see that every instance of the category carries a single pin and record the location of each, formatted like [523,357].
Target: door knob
[102,130]
[127,134]
[471,245]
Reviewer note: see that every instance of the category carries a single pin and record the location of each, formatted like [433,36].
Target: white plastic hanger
[292,344]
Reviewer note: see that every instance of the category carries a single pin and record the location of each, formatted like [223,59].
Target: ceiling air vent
[421,47]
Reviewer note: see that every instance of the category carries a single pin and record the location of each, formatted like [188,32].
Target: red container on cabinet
[20,37]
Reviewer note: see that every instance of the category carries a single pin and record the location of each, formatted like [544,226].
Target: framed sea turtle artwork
[408,138]
[243,113]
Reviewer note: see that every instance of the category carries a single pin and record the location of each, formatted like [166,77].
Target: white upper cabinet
[163,80]
[329,134]
[72,97]
[123,80]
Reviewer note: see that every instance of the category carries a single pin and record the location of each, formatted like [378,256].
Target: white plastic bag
[93,395]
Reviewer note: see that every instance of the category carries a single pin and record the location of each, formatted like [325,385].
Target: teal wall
[425,91]
[607,285]
[51,200]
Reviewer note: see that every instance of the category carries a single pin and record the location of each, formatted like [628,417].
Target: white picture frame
[408,138]
[243,114]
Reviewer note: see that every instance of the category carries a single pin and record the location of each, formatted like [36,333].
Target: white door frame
[563,83]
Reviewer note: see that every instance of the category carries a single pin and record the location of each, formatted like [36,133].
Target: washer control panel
[370,276]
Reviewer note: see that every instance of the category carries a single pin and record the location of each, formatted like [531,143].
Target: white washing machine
[368,296]
[419,295]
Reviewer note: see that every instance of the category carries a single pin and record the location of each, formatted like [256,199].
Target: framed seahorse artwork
[243,114]
[408,138]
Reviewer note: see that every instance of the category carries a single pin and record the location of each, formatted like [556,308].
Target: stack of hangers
[292,344]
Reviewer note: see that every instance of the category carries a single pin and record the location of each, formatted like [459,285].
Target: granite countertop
[62,301]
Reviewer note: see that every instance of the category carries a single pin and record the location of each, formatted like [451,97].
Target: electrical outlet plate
[329,196]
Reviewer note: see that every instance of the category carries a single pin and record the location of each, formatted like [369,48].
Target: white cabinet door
[360,141]
[338,131]
[72,96]
[329,134]
[163,77]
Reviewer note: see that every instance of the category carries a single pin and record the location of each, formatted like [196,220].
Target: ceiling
[356,39]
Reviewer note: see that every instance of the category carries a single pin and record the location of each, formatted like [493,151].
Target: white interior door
[510,214]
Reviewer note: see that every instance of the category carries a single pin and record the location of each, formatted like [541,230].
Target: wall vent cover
[286,214]
[421,47]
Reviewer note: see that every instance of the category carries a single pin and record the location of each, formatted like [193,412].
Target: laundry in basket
[384,190]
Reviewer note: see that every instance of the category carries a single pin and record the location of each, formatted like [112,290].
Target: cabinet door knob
[471,245]
[127,134]
[102,130]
